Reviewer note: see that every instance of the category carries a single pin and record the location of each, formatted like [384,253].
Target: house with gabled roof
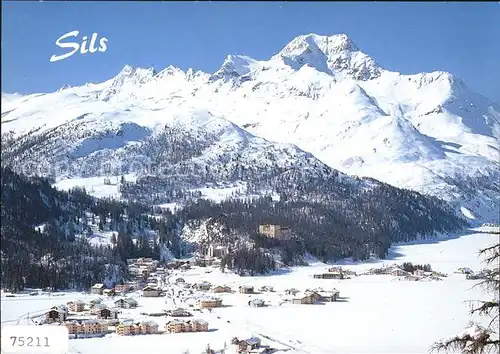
[107,314]
[55,314]
[249,344]
[307,299]
[97,289]
[150,291]
[221,289]
[209,302]
[126,303]
[96,308]
[204,285]
[246,289]
[179,312]
[76,306]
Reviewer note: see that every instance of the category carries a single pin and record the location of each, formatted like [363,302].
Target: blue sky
[462,38]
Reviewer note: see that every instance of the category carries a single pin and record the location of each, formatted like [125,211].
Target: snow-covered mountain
[427,132]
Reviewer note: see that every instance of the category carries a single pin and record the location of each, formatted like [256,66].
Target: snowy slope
[426,132]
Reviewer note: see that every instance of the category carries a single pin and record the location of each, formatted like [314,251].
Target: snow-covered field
[376,314]
[95,186]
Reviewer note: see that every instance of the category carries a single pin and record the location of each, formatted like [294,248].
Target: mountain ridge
[323,94]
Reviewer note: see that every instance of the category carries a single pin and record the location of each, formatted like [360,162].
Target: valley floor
[376,313]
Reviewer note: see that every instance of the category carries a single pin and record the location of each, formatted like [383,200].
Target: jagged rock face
[427,132]
[335,55]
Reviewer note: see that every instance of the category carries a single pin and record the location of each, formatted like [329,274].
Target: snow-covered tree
[478,339]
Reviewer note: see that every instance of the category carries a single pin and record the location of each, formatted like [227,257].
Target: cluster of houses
[482,274]
[96,308]
[309,297]
[99,326]
[119,289]
[398,271]
[335,273]
[141,268]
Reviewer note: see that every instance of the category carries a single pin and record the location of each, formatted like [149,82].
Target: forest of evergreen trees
[333,229]
[329,219]
[51,255]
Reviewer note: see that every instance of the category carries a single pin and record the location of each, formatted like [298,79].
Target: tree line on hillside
[39,228]
[331,231]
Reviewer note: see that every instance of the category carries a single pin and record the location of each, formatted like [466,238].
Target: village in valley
[192,295]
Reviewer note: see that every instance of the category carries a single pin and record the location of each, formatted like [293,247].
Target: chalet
[209,303]
[221,289]
[96,308]
[257,303]
[122,288]
[108,292]
[150,291]
[95,301]
[275,231]
[107,314]
[76,306]
[305,300]
[204,285]
[325,296]
[97,289]
[179,280]
[246,289]
[315,296]
[126,303]
[55,315]
[249,344]
[179,312]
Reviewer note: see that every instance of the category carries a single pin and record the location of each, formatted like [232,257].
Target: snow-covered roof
[208,298]
[200,321]
[150,323]
[98,286]
[149,287]
[257,301]
[99,306]
[253,341]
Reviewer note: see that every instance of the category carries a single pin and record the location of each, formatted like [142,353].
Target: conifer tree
[478,339]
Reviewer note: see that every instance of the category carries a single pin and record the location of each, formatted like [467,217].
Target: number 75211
[28,341]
